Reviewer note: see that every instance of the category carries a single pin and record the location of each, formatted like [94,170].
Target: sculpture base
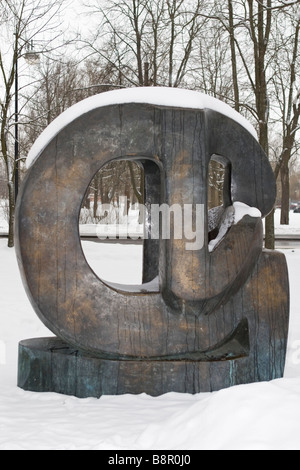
[51,365]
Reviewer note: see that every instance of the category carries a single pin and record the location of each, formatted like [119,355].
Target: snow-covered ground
[254,416]
[292,229]
[3,216]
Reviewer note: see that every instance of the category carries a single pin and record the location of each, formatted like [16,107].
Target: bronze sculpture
[213,318]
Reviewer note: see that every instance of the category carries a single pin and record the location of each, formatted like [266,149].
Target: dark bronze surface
[203,297]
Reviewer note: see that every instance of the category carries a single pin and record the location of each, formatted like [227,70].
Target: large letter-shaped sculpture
[213,318]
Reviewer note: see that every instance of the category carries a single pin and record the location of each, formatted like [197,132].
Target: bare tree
[251,25]
[238,50]
[21,23]
[226,49]
[61,85]
[148,43]
[210,68]
[285,78]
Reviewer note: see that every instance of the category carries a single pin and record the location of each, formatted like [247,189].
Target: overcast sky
[76,15]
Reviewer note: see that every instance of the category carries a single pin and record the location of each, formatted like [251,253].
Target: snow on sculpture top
[218,315]
[160,96]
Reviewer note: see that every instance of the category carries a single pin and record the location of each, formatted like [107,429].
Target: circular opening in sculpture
[111,228]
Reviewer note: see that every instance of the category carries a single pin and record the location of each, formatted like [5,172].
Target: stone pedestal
[51,365]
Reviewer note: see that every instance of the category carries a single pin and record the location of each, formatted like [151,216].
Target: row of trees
[245,52]
[22,23]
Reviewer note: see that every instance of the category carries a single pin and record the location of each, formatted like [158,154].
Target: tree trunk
[269,225]
[11,224]
[134,185]
[285,198]
[270,231]
[96,196]
[233,58]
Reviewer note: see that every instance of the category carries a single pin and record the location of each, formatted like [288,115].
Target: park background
[54,54]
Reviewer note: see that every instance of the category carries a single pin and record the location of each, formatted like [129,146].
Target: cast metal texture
[215,318]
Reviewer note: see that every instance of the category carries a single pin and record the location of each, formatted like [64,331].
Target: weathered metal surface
[203,297]
[51,365]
